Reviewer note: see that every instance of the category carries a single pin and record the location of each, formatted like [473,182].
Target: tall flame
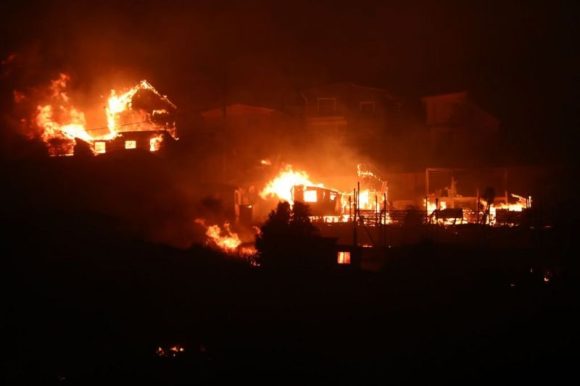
[60,122]
[116,104]
[120,103]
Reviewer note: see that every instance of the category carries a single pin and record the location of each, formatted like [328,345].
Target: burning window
[310,196]
[100,147]
[343,257]
[130,144]
[155,142]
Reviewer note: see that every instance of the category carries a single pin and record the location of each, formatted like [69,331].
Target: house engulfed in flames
[138,118]
[370,203]
[328,204]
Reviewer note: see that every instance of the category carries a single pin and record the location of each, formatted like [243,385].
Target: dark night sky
[518,59]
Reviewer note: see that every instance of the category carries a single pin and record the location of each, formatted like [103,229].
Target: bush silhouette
[288,238]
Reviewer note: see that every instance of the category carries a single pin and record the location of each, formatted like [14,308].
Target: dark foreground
[83,305]
[86,301]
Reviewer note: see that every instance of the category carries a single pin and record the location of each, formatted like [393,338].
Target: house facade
[460,131]
[353,113]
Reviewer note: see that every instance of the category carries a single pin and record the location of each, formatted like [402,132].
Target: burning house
[138,118]
[142,119]
[322,201]
[484,197]
[441,196]
[328,204]
[386,210]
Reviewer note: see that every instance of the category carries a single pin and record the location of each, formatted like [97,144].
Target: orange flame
[281,186]
[117,104]
[518,206]
[155,142]
[225,240]
[61,123]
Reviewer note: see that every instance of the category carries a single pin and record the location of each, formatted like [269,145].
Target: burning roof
[59,123]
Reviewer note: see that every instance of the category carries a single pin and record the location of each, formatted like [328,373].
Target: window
[130,144]
[367,107]
[310,196]
[343,257]
[100,147]
[326,105]
[155,143]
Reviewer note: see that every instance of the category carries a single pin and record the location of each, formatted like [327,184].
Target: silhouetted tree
[82,149]
[413,217]
[288,238]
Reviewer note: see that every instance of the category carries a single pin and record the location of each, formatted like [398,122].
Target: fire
[337,206]
[432,206]
[281,186]
[121,103]
[364,199]
[61,123]
[116,104]
[369,199]
[225,240]
[229,241]
[100,147]
[363,172]
[476,215]
[343,257]
[310,196]
[171,351]
[515,207]
[155,142]
[519,206]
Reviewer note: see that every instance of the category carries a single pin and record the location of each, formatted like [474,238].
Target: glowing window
[130,144]
[343,257]
[310,196]
[155,143]
[100,147]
